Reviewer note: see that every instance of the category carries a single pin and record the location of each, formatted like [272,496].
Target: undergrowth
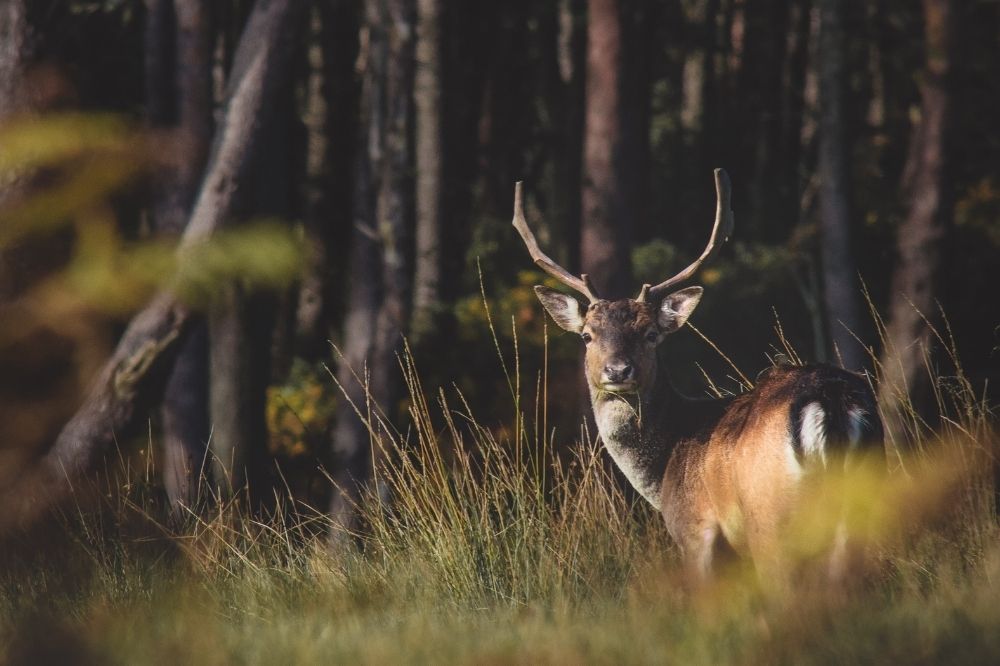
[495,547]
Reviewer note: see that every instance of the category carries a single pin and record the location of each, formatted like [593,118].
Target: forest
[275,385]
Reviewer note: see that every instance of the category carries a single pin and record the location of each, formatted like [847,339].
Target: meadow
[485,545]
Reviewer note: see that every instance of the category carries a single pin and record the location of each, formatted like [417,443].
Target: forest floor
[496,550]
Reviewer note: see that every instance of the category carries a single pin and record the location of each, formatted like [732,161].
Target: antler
[724,223]
[581,284]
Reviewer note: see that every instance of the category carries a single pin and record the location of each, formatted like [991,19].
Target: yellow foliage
[300,412]
[517,304]
[86,159]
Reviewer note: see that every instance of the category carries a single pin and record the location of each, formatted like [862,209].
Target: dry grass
[494,549]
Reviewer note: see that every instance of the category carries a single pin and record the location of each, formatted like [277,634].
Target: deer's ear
[565,310]
[677,307]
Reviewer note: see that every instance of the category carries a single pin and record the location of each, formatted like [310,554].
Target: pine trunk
[330,125]
[178,94]
[241,325]
[615,158]
[13,44]
[13,49]
[841,289]
[427,98]
[907,335]
[379,297]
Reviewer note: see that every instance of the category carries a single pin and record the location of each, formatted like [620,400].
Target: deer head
[622,335]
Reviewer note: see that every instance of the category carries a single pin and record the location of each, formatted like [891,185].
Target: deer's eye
[586,337]
[652,336]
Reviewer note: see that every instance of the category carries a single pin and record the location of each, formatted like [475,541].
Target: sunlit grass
[495,548]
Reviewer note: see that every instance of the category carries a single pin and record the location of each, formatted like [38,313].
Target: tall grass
[494,547]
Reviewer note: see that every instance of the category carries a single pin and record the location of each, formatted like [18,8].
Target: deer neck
[631,427]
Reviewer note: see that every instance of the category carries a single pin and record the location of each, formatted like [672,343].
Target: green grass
[495,550]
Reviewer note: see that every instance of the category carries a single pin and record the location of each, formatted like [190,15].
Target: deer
[725,473]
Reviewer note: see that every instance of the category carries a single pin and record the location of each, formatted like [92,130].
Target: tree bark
[194,92]
[179,98]
[394,207]
[427,98]
[239,328]
[14,35]
[764,52]
[791,164]
[241,324]
[907,335]
[159,36]
[351,438]
[331,126]
[379,302]
[134,375]
[566,197]
[13,46]
[178,71]
[697,62]
[841,291]
[313,306]
[605,235]
[615,143]
[185,400]
[185,420]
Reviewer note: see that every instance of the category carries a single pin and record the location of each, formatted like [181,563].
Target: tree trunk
[615,144]
[241,324]
[790,154]
[179,98]
[193,75]
[567,196]
[427,98]
[313,306]
[13,44]
[331,124]
[135,374]
[394,206]
[380,285]
[239,327]
[764,50]
[185,401]
[841,291]
[13,47]
[185,420]
[605,236]
[697,61]
[912,294]
[159,37]
[351,438]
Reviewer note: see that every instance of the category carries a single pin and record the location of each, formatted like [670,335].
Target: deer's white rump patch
[812,431]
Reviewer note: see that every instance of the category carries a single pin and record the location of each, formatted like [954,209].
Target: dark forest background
[382,139]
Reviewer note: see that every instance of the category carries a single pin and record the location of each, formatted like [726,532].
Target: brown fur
[726,474]
[618,330]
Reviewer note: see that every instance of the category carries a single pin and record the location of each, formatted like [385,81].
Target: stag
[726,473]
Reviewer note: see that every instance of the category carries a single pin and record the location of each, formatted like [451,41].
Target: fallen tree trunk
[133,377]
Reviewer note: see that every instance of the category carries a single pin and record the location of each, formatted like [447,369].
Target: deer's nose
[619,372]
